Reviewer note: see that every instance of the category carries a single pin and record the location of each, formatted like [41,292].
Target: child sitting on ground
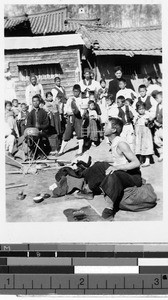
[143,136]
[22,118]
[126,93]
[158,136]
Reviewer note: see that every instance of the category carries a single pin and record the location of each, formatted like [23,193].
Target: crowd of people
[86,114]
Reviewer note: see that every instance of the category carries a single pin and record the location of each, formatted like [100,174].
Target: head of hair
[129,100]
[116,123]
[110,97]
[49,93]
[32,75]
[23,104]
[91,102]
[15,100]
[8,102]
[76,87]
[122,80]
[139,105]
[142,86]
[117,68]
[87,70]
[159,93]
[102,80]
[37,96]
[57,78]
[121,98]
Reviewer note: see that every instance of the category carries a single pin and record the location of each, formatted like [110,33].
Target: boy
[126,93]
[22,118]
[149,101]
[58,91]
[33,89]
[127,114]
[158,136]
[75,120]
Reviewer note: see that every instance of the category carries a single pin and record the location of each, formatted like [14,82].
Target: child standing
[143,136]
[126,93]
[15,107]
[158,136]
[92,130]
[126,113]
[22,118]
[75,120]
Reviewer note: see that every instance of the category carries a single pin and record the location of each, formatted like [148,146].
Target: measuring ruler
[78,269]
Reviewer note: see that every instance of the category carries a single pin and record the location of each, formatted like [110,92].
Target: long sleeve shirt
[38,116]
[33,90]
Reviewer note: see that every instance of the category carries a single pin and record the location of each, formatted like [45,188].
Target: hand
[110,170]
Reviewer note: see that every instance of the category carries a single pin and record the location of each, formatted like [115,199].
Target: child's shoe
[160,158]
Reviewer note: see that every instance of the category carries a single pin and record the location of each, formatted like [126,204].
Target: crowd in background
[86,112]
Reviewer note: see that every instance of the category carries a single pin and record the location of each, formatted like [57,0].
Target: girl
[143,136]
[93,118]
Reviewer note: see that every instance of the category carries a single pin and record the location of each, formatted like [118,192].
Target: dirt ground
[51,209]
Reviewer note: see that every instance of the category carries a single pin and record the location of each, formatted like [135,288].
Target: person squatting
[86,114]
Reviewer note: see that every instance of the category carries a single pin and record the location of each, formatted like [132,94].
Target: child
[10,119]
[143,136]
[22,118]
[126,93]
[149,101]
[93,126]
[15,107]
[103,91]
[158,136]
[75,120]
[54,110]
[127,114]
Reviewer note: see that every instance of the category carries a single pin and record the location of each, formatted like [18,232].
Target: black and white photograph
[83,112]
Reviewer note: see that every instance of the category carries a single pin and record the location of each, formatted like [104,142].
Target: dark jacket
[43,120]
[114,86]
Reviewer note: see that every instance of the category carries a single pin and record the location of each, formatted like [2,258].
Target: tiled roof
[43,23]
[128,41]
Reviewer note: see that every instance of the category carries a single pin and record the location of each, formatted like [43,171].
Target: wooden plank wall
[67,58]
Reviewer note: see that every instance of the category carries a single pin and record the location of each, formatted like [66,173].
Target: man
[33,89]
[116,174]
[87,84]
[38,118]
[114,84]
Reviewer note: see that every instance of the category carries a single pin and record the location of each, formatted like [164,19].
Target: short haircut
[23,104]
[36,96]
[142,86]
[117,68]
[102,80]
[139,105]
[8,102]
[129,100]
[49,93]
[110,97]
[121,98]
[57,78]
[116,123]
[76,87]
[91,102]
[15,100]
[86,70]
[32,75]
[122,80]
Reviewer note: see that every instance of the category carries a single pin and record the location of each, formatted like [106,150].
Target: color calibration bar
[84,269]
